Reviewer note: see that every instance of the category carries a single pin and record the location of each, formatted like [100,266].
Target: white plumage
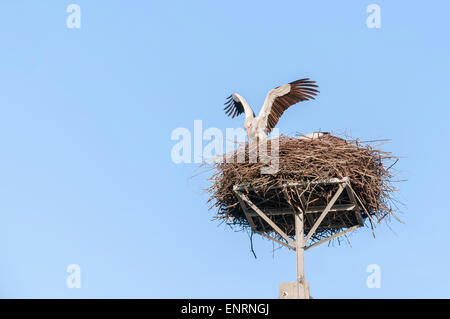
[277,101]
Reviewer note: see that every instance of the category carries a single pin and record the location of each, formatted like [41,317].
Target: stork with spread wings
[277,101]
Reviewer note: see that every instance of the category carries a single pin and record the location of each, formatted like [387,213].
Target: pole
[300,252]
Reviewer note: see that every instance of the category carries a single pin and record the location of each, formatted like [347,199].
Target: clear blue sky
[86,115]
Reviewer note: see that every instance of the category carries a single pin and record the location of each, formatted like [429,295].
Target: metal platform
[303,231]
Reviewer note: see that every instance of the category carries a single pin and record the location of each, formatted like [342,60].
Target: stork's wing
[233,107]
[281,98]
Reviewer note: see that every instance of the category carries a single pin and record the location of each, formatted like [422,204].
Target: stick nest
[306,162]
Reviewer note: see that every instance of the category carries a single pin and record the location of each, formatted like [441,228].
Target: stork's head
[248,124]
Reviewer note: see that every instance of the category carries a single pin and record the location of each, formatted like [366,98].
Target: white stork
[277,101]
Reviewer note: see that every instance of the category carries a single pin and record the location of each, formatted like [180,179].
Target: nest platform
[337,184]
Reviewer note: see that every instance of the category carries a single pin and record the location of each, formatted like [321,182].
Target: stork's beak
[248,130]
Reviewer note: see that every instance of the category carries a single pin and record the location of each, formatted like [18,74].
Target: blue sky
[86,116]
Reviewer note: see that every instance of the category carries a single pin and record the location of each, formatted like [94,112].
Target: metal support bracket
[251,210]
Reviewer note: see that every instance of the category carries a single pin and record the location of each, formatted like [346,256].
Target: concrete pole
[300,252]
